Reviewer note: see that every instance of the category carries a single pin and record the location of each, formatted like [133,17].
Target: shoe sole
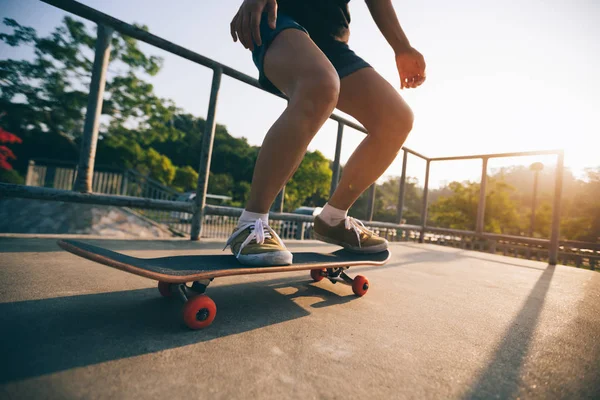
[270,259]
[358,250]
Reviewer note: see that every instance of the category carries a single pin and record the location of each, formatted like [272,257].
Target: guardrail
[124,182]
[199,209]
[106,25]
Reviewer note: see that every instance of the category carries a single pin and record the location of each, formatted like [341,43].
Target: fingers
[233,27]
[412,77]
[272,13]
[246,32]
[403,78]
[411,81]
[245,26]
[255,25]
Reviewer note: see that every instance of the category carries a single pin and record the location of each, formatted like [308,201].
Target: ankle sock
[248,217]
[332,216]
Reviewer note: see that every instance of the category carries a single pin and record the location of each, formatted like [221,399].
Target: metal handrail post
[279,200]
[555,235]
[87,155]
[402,187]
[371,205]
[425,200]
[208,139]
[479,225]
[335,176]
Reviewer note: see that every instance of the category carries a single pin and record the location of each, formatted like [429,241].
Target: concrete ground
[437,323]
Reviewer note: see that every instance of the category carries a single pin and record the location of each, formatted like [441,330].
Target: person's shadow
[50,335]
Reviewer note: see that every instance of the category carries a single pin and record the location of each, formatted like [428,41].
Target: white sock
[332,216]
[248,217]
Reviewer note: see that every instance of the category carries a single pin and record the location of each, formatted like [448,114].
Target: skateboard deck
[182,269]
[174,272]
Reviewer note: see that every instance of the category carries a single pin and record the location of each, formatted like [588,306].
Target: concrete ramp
[57,217]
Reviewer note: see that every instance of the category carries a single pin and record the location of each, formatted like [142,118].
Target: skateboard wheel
[360,285]
[199,312]
[165,289]
[316,274]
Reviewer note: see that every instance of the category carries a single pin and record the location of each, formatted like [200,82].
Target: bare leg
[296,66]
[377,105]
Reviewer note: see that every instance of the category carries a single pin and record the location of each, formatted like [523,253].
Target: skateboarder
[300,49]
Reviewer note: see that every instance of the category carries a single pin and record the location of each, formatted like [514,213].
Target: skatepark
[504,306]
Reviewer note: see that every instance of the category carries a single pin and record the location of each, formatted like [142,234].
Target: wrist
[402,48]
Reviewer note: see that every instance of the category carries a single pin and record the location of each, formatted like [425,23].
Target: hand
[245,26]
[411,67]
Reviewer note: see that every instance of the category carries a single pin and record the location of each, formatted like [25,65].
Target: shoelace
[357,226]
[259,231]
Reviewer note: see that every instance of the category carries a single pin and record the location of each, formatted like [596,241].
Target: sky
[502,75]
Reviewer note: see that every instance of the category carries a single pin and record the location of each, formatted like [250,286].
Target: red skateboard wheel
[199,312]
[360,285]
[316,274]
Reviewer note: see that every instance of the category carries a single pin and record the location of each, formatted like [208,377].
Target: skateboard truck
[360,284]
[200,286]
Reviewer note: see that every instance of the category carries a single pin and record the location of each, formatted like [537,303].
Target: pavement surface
[437,323]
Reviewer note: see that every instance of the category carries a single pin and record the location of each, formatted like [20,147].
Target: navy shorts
[344,60]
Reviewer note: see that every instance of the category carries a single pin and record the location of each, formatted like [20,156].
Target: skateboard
[176,272]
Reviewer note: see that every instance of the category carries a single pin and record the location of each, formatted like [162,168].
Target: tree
[158,166]
[459,210]
[310,183]
[221,184]
[386,201]
[580,219]
[186,179]
[45,98]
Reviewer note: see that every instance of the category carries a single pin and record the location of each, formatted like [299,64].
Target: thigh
[372,100]
[293,57]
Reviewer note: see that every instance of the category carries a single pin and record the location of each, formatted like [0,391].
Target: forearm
[384,15]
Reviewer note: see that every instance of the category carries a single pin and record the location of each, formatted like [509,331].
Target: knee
[395,125]
[316,96]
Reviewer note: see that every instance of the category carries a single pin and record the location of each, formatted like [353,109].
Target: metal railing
[63,175]
[553,242]
[83,184]
[199,209]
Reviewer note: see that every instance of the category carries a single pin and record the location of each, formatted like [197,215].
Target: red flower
[7,137]
[5,152]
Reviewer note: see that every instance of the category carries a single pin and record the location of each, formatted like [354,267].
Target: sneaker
[351,234]
[256,244]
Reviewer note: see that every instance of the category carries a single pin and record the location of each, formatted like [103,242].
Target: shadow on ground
[502,376]
[50,335]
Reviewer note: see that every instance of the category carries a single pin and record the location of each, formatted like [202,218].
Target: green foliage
[386,202]
[310,183]
[508,209]
[186,179]
[45,98]
[11,176]
[157,166]
[543,220]
[459,210]
[581,213]
[241,191]
[221,184]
